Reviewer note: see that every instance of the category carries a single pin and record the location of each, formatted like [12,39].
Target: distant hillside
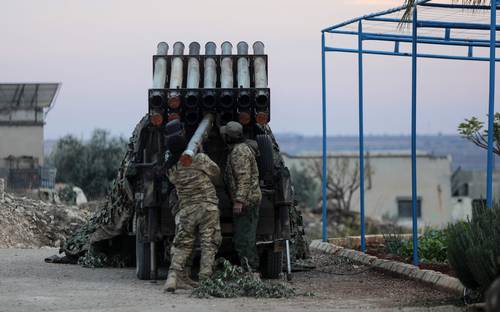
[464,154]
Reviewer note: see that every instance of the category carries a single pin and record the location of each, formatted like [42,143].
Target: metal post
[361,137]
[491,108]
[323,181]
[414,135]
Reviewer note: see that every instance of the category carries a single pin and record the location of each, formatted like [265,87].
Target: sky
[101,51]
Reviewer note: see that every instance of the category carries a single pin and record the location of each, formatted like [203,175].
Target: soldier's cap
[173,128]
[232,129]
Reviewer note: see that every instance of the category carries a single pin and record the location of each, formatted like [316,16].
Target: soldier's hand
[237,208]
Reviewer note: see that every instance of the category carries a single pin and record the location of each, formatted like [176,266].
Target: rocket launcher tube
[226,76]
[226,79]
[193,75]
[210,75]
[160,74]
[176,75]
[243,70]
[197,139]
[259,65]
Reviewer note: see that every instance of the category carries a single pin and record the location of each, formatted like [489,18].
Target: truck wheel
[271,264]
[266,159]
[142,253]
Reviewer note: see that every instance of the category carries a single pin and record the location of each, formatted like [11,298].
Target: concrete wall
[473,183]
[391,179]
[21,141]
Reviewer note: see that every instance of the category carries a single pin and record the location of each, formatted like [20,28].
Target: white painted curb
[433,278]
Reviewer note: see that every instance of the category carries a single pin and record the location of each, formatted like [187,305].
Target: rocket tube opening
[156,118]
[244,118]
[191,101]
[261,100]
[244,101]
[186,160]
[208,101]
[227,100]
[174,102]
[156,100]
[261,118]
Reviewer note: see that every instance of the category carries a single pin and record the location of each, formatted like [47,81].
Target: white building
[23,107]
[388,185]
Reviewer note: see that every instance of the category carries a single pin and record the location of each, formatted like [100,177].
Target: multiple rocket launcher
[188,87]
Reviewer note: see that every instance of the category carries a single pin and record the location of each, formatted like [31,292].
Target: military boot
[187,277]
[171,283]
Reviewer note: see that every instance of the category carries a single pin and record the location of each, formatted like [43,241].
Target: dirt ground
[29,284]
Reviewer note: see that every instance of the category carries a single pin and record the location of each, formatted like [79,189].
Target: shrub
[432,246]
[473,248]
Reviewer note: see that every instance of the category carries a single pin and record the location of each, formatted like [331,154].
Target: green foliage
[95,259]
[393,243]
[473,248]
[67,195]
[432,246]
[90,165]
[476,131]
[232,281]
[307,191]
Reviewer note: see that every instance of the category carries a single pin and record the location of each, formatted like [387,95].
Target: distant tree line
[91,164]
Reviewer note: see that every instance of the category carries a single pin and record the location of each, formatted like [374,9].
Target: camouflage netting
[112,219]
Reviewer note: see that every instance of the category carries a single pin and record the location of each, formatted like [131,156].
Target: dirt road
[29,284]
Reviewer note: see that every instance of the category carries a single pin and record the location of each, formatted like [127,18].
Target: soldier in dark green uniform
[242,178]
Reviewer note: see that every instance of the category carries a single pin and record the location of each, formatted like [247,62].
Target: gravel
[29,223]
[29,284]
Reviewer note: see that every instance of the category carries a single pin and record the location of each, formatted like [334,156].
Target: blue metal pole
[414,136]
[361,137]
[491,108]
[323,181]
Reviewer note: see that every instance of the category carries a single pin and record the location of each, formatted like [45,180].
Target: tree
[90,165]
[306,187]
[475,131]
[342,180]
[410,3]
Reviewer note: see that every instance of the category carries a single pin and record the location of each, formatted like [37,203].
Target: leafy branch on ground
[230,281]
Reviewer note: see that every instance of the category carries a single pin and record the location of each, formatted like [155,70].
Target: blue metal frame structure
[387,26]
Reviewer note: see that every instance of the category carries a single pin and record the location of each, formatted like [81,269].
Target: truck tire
[265,159]
[271,264]
[142,252]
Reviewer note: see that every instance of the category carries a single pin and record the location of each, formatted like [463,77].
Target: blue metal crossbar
[467,37]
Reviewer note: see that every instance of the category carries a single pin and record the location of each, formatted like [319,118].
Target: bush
[90,165]
[474,249]
[432,246]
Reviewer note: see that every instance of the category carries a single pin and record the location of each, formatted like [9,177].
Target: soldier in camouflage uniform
[242,178]
[197,210]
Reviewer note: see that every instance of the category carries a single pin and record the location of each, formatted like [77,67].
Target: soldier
[242,177]
[197,210]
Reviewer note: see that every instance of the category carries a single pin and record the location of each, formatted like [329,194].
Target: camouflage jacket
[242,175]
[194,183]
